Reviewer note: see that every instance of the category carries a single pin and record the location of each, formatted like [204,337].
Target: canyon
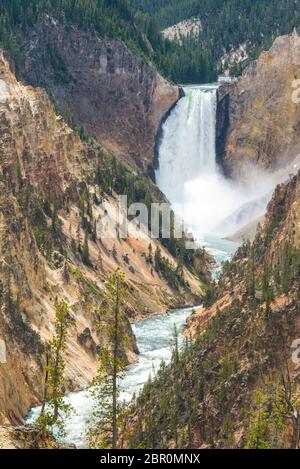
[49,203]
[86,118]
[226,385]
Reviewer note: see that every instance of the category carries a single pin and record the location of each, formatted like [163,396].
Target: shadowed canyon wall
[115,96]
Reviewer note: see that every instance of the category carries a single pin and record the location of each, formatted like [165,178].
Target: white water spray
[189,176]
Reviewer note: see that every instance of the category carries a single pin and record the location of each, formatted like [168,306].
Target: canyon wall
[222,124]
[117,97]
[262,122]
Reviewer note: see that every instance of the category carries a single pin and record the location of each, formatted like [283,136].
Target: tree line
[226,24]
[108,18]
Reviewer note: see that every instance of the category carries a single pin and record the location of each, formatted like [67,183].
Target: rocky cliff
[222,119]
[263,116]
[52,189]
[102,86]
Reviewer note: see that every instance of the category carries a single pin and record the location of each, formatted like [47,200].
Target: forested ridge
[234,385]
[108,18]
[226,23]
[112,18]
[168,12]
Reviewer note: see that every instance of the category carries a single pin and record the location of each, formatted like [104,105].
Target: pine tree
[105,389]
[54,217]
[286,268]
[268,295]
[150,254]
[157,259]
[55,410]
[251,280]
[78,237]
[66,272]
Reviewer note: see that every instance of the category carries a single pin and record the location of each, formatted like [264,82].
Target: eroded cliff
[263,116]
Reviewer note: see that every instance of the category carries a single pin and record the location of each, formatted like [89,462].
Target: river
[154,341]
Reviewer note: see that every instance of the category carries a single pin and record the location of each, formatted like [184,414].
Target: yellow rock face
[264,115]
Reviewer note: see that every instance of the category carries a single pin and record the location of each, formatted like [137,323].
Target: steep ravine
[51,190]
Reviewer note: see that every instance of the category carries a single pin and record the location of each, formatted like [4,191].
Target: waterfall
[189,176]
[188,145]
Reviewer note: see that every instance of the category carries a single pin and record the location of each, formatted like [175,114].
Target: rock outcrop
[28,437]
[264,113]
[222,123]
[190,28]
[102,86]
